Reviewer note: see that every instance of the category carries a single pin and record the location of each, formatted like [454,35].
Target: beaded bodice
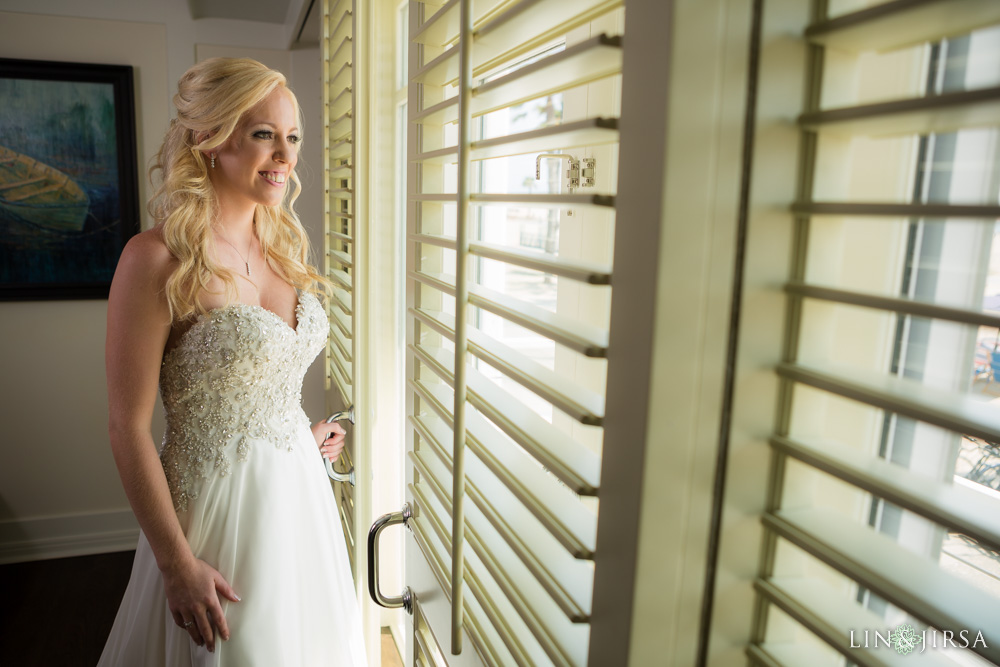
[233,383]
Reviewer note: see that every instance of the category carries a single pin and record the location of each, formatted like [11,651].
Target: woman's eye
[263,134]
[294,139]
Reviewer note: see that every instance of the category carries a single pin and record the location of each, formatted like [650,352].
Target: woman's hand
[193,591]
[138,330]
[334,444]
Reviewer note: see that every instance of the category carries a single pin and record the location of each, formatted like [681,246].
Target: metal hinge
[575,176]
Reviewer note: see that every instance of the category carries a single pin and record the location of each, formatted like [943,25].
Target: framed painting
[68,180]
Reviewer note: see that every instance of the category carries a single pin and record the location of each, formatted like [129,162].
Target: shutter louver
[338,160]
[512,479]
[826,556]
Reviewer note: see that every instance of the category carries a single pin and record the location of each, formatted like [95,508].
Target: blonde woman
[241,560]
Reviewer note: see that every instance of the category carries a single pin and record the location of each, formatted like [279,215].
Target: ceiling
[267,11]
[307,31]
[300,17]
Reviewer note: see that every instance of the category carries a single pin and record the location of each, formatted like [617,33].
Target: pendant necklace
[246,260]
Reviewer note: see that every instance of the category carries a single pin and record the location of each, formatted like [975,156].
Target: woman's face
[254,164]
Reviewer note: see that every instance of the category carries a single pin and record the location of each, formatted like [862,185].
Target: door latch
[589,172]
[575,176]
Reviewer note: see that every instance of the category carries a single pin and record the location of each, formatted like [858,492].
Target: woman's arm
[138,327]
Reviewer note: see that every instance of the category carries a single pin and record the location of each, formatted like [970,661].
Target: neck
[236,223]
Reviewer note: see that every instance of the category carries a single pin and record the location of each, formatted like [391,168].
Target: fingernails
[238,598]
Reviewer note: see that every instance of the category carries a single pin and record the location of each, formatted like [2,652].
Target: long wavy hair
[212,98]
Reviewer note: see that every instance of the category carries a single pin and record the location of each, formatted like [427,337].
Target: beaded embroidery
[234,380]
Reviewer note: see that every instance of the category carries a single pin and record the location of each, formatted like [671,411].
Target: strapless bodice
[234,383]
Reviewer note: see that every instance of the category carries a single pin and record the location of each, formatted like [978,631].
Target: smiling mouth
[276,177]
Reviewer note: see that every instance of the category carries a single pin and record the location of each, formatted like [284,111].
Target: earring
[212,163]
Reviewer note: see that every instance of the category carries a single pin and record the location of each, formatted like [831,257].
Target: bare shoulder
[144,267]
[148,247]
[146,255]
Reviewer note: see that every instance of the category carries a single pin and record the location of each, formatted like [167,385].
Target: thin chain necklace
[246,260]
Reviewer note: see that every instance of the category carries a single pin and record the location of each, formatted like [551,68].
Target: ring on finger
[188,625]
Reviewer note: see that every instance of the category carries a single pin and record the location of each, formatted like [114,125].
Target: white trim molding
[67,535]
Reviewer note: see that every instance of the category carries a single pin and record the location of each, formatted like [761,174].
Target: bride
[241,559]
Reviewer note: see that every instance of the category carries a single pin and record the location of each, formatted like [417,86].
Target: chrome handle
[406,599]
[348,476]
[574,166]
[572,174]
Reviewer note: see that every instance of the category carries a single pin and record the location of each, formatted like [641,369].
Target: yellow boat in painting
[40,195]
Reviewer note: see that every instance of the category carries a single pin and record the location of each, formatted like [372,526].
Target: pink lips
[272,176]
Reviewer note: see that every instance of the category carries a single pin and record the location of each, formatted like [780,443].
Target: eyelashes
[267,135]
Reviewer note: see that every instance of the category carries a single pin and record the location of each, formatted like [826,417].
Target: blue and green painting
[60,205]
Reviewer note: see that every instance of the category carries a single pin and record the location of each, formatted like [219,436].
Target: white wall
[182,32]
[59,491]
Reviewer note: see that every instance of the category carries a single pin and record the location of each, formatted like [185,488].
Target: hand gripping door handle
[348,476]
[406,599]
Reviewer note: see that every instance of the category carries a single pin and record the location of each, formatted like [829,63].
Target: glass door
[512,150]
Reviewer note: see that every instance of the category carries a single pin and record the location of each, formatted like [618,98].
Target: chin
[270,198]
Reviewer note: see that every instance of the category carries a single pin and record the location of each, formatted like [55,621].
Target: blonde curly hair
[212,98]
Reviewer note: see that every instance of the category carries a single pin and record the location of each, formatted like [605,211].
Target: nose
[283,150]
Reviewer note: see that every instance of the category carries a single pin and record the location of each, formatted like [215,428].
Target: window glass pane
[535,229]
[782,629]
[890,75]
[971,61]
[953,262]
[954,168]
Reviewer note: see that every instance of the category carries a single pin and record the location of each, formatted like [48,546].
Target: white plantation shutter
[501,435]
[876,391]
[339,159]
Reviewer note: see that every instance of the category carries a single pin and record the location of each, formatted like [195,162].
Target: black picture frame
[69,189]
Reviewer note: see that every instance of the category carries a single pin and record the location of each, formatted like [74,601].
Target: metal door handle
[348,476]
[406,599]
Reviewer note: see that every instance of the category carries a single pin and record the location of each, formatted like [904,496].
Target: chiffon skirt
[271,528]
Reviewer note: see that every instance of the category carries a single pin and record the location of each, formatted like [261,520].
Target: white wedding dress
[251,492]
